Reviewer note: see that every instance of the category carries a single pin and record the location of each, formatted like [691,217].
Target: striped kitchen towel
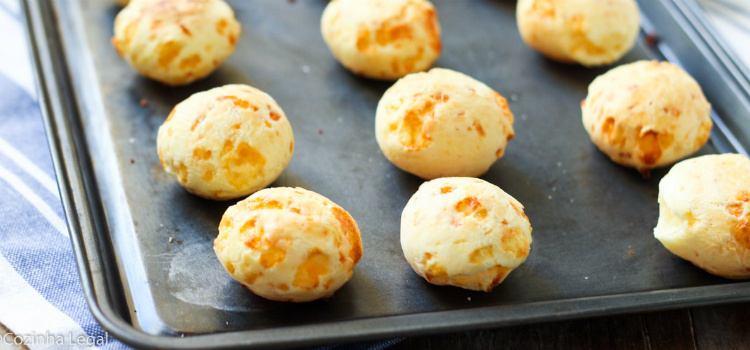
[41,301]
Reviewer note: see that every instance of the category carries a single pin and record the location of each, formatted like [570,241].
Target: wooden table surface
[705,328]
[712,327]
[725,327]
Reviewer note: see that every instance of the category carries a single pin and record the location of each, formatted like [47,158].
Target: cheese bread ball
[226,142]
[589,32]
[442,123]
[646,114]
[175,41]
[704,213]
[382,39]
[464,232]
[288,244]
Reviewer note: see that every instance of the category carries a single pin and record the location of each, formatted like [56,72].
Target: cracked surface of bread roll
[175,41]
[289,244]
[382,39]
[646,114]
[589,32]
[704,213]
[464,232]
[226,142]
[442,123]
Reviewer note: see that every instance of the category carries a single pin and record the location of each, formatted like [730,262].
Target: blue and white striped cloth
[41,302]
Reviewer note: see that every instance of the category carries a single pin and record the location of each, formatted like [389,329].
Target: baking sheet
[593,249]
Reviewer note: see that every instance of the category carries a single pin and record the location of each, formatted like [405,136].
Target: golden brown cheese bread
[382,39]
[704,213]
[175,41]
[289,244]
[589,32]
[646,114]
[464,232]
[442,123]
[226,142]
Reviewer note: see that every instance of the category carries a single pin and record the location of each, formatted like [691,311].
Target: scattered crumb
[652,39]
[630,251]
[468,298]
[132,161]
[170,239]
[144,103]
[585,277]
[177,240]
[550,197]
[208,255]
[290,1]
[320,131]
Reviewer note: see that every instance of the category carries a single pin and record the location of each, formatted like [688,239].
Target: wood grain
[670,330]
[659,330]
[722,327]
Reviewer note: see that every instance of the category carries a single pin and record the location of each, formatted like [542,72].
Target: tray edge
[77,206]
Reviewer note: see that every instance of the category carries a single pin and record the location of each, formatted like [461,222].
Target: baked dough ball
[175,41]
[442,123]
[646,114]
[590,32]
[288,244]
[704,213]
[464,232]
[226,142]
[382,39]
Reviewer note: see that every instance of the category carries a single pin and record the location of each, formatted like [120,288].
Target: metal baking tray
[593,252]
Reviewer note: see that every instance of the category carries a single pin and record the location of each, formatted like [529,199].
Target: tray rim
[85,220]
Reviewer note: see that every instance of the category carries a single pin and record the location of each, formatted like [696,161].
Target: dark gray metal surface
[593,251]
